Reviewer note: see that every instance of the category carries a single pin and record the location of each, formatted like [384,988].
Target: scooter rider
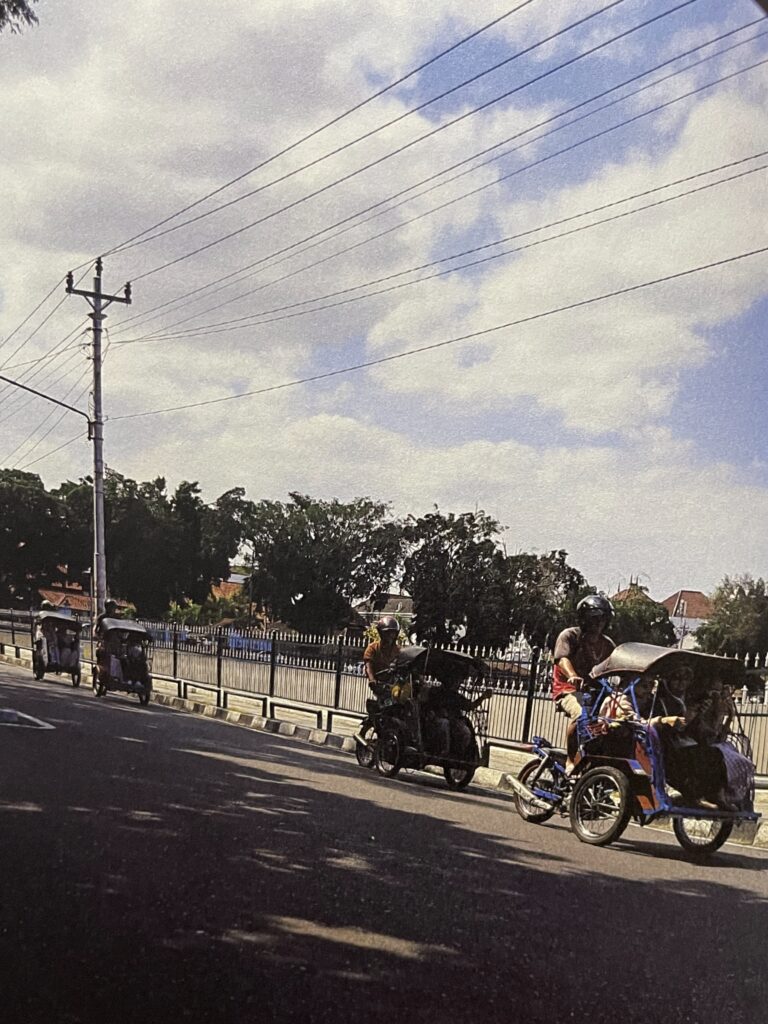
[110,612]
[380,654]
[577,650]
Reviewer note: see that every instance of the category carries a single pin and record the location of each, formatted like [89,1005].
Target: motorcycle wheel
[98,687]
[38,668]
[458,778]
[144,697]
[389,753]
[547,780]
[366,755]
[600,806]
[76,678]
[701,837]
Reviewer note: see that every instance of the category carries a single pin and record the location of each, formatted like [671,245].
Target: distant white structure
[688,609]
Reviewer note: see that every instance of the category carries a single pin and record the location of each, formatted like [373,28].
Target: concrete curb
[748,834]
[318,737]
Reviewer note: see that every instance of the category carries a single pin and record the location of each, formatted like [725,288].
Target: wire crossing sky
[472,258]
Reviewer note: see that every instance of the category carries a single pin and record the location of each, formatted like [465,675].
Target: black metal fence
[323,677]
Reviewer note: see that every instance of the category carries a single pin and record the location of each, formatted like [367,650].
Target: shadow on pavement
[156,868]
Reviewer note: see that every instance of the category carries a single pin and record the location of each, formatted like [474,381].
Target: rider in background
[381,654]
[110,612]
[577,650]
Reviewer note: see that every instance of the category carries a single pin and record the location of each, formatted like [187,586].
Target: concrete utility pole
[98,302]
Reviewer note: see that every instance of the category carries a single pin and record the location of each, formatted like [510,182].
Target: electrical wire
[44,364]
[29,399]
[287,253]
[47,455]
[226,326]
[42,323]
[494,182]
[40,304]
[45,419]
[387,124]
[408,145]
[122,246]
[450,341]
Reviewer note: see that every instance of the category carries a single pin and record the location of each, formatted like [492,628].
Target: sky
[599,391]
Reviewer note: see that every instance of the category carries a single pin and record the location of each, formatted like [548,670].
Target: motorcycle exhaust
[363,743]
[523,791]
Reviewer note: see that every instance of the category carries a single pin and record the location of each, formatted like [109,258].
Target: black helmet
[388,624]
[46,606]
[594,606]
[110,605]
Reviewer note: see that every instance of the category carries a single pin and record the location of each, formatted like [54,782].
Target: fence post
[529,697]
[13,630]
[337,684]
[220,702]
[175,661]
[272,663]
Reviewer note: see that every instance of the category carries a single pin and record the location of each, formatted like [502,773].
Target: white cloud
[166,101]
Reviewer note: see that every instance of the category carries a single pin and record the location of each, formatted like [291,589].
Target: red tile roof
[72,597]
[688,604]
[225,589]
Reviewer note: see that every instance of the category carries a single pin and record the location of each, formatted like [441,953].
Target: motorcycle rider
[577,650]
[380,654]
[110,612]
[45,636]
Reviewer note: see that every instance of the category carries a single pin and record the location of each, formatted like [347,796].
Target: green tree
[543,593]
[454,571]
[312,559]
[640,619]
[739,620]
[16,15]
[32,537]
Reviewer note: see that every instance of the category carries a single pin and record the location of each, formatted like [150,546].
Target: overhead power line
[27,318]
[496,181]
[45,419]
[321,128]
[450,341]
[381,207]
[41,324]
[387,124]
[408,145]
[40,458]
[225,326]
[43,367]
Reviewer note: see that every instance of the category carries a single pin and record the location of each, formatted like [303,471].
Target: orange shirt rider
[381,653]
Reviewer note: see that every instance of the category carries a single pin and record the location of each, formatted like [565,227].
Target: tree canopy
[739,620]
[312,559]
[16,15]
[453,573]
[161,547]
[641,619]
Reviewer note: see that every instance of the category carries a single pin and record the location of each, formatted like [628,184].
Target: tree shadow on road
[159,868]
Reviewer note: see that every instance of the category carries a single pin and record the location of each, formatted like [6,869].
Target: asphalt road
[157,866]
